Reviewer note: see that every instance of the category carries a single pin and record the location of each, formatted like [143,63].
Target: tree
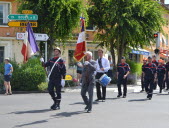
[124,23]
[57,18]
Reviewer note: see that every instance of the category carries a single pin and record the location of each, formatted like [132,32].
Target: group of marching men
[153,73]
[94,70]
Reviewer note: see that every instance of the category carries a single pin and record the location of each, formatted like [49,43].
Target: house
[10,47]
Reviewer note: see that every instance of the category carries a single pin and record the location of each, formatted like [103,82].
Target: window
[91,27]
[4,12]
[95,55]
[1,54]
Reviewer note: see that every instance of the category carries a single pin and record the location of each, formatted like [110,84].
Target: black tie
[100,63]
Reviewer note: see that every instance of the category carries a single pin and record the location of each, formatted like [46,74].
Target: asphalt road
[135,111]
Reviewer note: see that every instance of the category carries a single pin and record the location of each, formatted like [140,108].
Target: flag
[81,43]
[30,46]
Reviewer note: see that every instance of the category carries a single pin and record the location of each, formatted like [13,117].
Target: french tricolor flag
[81,43]
[30,46]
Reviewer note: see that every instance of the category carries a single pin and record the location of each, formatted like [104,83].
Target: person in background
[142,75]
[123,70]
[7,76]
[79,72]
[102,68]
[154,61]
[164,64]
[167,74]
[160,74]
[150,77]
[88,81]
[110,71]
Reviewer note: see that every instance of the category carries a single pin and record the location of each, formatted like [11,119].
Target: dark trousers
[98,85]
[160,82]
[122,81]
[142,82]
[88,87]
[57,85]
[110,73]
[149,86]
[155,85]
[167,81]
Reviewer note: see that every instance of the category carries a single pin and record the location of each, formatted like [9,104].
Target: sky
[166,1]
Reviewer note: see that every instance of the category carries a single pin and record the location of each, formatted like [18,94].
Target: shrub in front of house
[26,77]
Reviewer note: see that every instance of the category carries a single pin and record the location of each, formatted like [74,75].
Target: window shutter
[5,13]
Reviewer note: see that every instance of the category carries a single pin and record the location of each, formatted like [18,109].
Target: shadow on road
[67,114]
[58,115]
[135,92]
[137,100]
[30,111]
[112,98]
[82,103]
[162,94]
[32,123]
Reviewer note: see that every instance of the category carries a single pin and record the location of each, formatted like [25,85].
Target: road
[32,111]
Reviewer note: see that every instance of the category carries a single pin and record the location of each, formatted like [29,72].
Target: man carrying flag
[81,43]
[30,46]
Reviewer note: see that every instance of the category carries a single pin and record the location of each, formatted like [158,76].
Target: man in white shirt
[103,66]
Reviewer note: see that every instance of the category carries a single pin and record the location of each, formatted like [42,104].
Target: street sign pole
[46,51]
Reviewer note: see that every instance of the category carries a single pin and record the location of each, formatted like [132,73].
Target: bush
[70,83]
[135,67]
[43,86]
[26,77]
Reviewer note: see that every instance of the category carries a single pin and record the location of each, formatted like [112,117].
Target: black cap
[123,57]
[149,57]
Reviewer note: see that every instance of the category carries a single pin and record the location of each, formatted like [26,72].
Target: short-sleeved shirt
[160,71]
[143,67]
[150,70]
[78,67]
[122,69]
[167,66]
[155,62]
[111,67]
[7,68]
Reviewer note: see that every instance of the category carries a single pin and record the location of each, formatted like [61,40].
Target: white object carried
[41,60]
[86,63]
[63,83]
[53,67]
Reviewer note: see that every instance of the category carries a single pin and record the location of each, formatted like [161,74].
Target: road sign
[141,52]
[38,36]
[23,17]
[22,24]
[27,11]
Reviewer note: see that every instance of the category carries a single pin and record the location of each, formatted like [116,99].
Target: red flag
[81,44]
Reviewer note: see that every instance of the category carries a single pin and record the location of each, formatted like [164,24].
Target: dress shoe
[97,99]
[124,96]
[89,111]
[142,91]
[103,99]
[119,96]
[86,107]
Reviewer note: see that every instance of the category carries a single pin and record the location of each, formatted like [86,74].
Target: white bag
[63,83]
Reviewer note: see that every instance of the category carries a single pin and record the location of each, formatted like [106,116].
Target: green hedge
[27,77]
[135,67]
